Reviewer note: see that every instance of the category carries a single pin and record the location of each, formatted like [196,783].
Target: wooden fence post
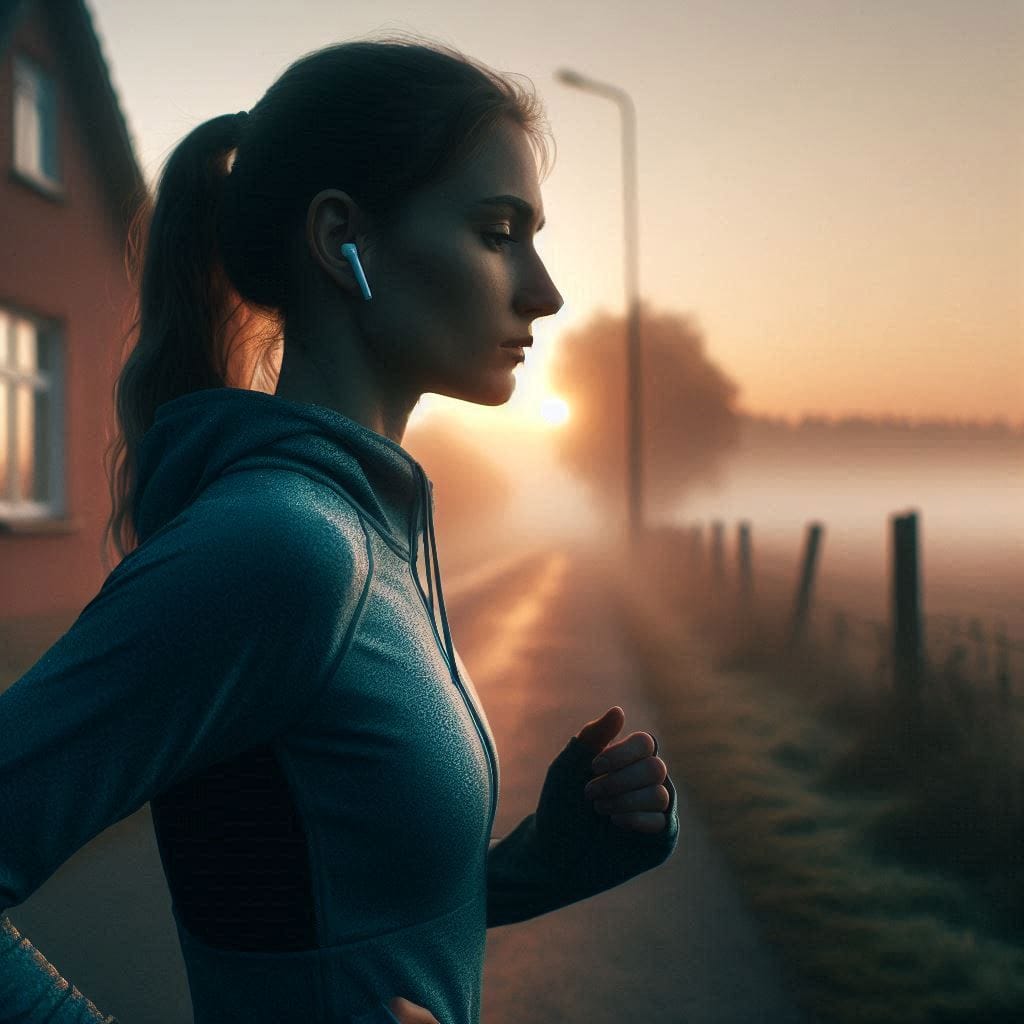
[746,572]
[907,633]
[717,552]
[803,595]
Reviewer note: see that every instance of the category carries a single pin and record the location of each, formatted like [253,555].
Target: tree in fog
[688,420]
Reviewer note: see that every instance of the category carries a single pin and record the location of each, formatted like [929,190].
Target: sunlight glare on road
[520,622]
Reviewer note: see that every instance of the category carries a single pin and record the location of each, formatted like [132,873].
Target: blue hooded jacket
[272,671]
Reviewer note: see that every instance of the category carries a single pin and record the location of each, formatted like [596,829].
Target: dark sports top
[273,670]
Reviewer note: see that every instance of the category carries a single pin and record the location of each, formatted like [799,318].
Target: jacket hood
[200,435]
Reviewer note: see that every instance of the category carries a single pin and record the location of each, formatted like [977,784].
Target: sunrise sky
[834,191]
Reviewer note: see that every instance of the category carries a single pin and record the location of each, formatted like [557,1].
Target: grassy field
[882,865]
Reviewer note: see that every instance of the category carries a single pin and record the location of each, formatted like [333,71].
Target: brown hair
[379,118]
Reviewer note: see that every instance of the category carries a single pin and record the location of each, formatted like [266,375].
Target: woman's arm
[216,635]
[565,851]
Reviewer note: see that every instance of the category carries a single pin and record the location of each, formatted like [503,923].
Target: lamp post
[633,385]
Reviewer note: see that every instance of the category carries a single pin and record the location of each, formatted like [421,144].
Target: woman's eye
[498,238]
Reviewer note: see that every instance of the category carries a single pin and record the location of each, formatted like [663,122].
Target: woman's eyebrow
[521,205]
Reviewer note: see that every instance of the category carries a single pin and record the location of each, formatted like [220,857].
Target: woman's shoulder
[278,502]
[267,529]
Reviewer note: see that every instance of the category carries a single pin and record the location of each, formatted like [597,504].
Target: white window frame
[34,118]
[13,504]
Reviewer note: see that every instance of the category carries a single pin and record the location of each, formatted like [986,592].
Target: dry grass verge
[814,806]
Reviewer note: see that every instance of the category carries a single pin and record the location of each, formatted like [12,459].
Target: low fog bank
[969,495]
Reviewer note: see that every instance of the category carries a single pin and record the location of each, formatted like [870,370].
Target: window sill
[40,526]
[50,189]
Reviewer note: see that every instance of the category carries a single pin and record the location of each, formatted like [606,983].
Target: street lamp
[633,386]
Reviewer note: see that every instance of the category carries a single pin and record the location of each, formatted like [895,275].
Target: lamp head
[570,77]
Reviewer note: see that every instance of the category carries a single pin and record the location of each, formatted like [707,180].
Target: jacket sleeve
[215,635]
[565,851]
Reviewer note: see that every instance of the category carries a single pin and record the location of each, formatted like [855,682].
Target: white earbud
[348,250]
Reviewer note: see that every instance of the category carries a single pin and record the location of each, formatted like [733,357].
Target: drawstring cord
[434,572]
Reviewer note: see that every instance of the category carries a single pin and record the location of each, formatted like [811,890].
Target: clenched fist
[628,784]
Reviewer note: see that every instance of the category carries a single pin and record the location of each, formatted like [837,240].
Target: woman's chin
[503,390]
[495,389]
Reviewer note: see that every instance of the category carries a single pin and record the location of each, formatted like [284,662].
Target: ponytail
[184,304]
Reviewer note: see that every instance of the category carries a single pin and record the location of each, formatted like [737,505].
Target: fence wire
[958,646]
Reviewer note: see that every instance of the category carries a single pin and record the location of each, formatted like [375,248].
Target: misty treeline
[692,427]
[880,426]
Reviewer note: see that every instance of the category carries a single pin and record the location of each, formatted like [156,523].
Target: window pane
[25,336]
[41,492]
[5,443]
[27,128]
[24,435]
[26,135]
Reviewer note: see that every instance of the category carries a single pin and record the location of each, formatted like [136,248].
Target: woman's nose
[544,299]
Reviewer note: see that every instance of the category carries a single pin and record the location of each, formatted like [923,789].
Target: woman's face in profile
[459,276]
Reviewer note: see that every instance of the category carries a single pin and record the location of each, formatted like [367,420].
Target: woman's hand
[407,1012]
[628,787]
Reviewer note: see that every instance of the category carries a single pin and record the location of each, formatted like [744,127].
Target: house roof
[91,96]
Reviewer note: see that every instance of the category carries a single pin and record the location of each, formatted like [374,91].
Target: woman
[265,665]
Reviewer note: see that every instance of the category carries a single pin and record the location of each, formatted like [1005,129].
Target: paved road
[673,945]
